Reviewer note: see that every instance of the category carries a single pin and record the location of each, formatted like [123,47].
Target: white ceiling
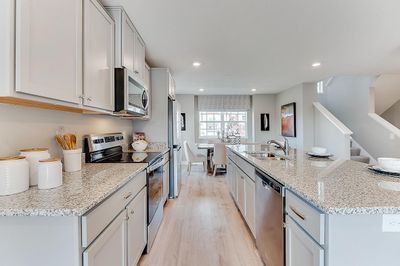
[266,44]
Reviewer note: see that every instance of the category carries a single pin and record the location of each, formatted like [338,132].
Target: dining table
[210,149]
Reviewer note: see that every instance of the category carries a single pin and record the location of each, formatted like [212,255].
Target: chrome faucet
[285,147]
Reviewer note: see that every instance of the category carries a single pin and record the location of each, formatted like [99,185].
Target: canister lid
[34,150]
[11,158]
[49,160]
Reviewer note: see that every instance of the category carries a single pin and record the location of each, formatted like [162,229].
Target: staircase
[355,155]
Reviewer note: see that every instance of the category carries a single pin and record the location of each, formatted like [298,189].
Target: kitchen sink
[263,155]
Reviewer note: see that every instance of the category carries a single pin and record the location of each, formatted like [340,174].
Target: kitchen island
[336,212]
[95,217]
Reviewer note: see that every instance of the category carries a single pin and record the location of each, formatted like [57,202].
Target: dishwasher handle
[268,184]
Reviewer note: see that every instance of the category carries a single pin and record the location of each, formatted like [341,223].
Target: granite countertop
[334,186]
[80,192]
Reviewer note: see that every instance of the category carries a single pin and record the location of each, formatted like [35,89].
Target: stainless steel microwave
[131,97]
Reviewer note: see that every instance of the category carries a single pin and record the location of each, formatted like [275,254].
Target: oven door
[154,188]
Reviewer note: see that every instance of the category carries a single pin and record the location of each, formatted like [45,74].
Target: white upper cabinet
[147,76]
[140,52]
[49,49]
[171,89]
[128,40]
[124,39]
[129,46]
[98,56]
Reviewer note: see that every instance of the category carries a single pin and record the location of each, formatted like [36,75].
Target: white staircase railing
[331,133]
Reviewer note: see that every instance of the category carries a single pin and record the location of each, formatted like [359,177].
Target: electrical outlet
[391,223]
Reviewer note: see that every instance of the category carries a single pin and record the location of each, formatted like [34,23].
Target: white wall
[303,95]
[188,107]
[348,98]
[264,103]
[330,133]
[24,127]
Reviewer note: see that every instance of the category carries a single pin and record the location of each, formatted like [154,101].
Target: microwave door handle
[126,95]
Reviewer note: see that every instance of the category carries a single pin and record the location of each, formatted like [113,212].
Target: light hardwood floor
[202,227]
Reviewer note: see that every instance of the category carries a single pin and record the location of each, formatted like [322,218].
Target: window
[211,124]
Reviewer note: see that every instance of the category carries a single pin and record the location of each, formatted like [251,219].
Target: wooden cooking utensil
[60,140]
[67,141]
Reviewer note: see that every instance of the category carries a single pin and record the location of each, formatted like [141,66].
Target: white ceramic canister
[72,160]
[14,175]
[33,156]
[50,173]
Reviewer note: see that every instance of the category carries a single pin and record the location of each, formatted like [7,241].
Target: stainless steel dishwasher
[270,232]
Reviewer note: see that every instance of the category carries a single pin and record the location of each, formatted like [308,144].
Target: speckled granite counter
[80,192]
[335,187]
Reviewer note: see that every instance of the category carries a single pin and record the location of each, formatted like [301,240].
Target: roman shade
[209,103]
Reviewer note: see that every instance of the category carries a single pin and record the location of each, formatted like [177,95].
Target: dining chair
[193,158]
[219,157]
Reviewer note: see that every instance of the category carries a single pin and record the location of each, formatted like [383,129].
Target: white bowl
[139,145]
[389,164]
[319,150]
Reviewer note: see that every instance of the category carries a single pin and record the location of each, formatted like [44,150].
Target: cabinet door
[300,248]
[98,56]
[166,180]
[250,192]
[229,171]
[137,227]
[49,49]
[110,247]
[128,43]
[231,177]
[171,88]
[147,76]
[139,57]
[241,191]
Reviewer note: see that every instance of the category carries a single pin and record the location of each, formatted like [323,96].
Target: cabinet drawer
[96,220]
[308,217]
[246,167]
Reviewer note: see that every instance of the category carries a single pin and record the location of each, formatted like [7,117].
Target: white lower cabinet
[301,249]
[136,227]
[243,190]
[109,248]
[250,192]
[240,191]
[231,177]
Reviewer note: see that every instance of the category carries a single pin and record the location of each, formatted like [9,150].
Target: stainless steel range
[107,148]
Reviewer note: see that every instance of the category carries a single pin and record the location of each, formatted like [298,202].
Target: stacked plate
[319,152]
[389,166]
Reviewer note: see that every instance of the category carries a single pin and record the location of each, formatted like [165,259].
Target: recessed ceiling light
[201,89]
[316,64]
[253,90]
[196,64]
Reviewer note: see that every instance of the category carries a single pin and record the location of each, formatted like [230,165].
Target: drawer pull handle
[127,196]
[132,212]
[301,216]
